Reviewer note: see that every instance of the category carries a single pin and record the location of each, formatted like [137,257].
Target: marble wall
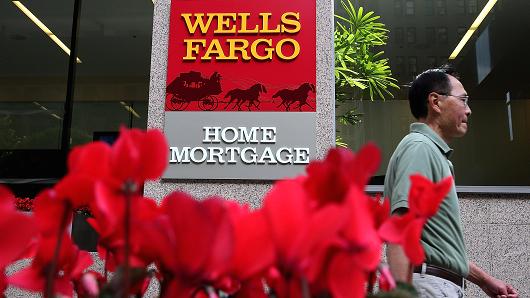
[497,235]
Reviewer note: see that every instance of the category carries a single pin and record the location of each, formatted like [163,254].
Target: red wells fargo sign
[241,56]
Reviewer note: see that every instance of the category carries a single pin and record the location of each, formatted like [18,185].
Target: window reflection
[115,41]
[487,68]
[33,77]
[441,7]
[111,86]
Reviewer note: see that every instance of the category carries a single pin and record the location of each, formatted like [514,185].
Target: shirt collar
[425,130]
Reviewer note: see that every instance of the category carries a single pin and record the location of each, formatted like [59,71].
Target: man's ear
[433,102]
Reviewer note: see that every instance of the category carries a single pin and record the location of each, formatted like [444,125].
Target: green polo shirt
[423,151]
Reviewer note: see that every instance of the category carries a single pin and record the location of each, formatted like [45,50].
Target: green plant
[360,69]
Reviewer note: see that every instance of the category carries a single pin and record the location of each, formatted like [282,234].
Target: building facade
[51,103]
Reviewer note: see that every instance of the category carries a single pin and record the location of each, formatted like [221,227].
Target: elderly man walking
[439,102]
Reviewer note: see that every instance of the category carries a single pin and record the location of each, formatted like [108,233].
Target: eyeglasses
[463,98]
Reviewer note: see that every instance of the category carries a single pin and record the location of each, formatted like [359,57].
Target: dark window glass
[33,84]
[472,7]
[441,7]
[429,7]
[399,35]
[398,7]
[460,7]
[115,79]
[431,62]
[409,7]
[111,86]
[495,149]
[411,35]
[413,66]
[430,36]
[460,31]
[441,33]
[400,65]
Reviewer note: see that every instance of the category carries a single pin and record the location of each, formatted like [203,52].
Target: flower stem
[106,264]
[50,278]
[130,189]
[371,281]
[305,287]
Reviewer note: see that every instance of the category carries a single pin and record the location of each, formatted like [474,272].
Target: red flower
[253,246]
[358,250]
[49,209]
[196,247]
[70,266]
[3,282]
[108,221]
[24,204]
[299,232]
[425,198]
[16,229]
[113,175]
[136,156]
[330,180]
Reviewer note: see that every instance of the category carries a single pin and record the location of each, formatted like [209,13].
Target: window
[423,42]
[111,86]
[398,7]
[429,7]
[399,35]
[460,7]
[441,7]
[472,7]
[409,7]
[460,32]
[413,67]
[411,35]
[400,65]
[430,36]
[431,62]
[442,35]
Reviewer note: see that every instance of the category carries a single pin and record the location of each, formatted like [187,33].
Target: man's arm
[489,284]
[397,260]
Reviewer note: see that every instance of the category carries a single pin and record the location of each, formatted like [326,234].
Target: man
[440,104]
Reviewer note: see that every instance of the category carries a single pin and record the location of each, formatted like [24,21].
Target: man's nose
[468,110]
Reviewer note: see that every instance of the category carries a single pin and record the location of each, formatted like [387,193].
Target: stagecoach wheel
[208,103]
[177,103]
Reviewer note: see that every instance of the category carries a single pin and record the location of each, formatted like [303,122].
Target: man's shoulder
[414,143]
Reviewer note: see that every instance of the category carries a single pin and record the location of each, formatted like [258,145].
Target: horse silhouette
[298,95]
[250,95]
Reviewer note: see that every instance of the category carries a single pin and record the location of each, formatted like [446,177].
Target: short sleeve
[418,158]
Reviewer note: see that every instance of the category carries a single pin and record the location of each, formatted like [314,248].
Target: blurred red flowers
[317,235]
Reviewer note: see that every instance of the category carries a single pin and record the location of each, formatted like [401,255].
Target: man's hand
[498,289]
[490,285]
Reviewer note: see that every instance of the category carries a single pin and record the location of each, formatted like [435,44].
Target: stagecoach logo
[192,87]
[241,88]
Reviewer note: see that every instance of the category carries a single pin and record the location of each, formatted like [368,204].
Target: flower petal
[425,196]
[344,279]
[192,229]
[27,279]
[16,232]
[392,230]
[365,164]
[154,154]
[411,243]
[125,157]
[253,247]
[287,213]
[81,159]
